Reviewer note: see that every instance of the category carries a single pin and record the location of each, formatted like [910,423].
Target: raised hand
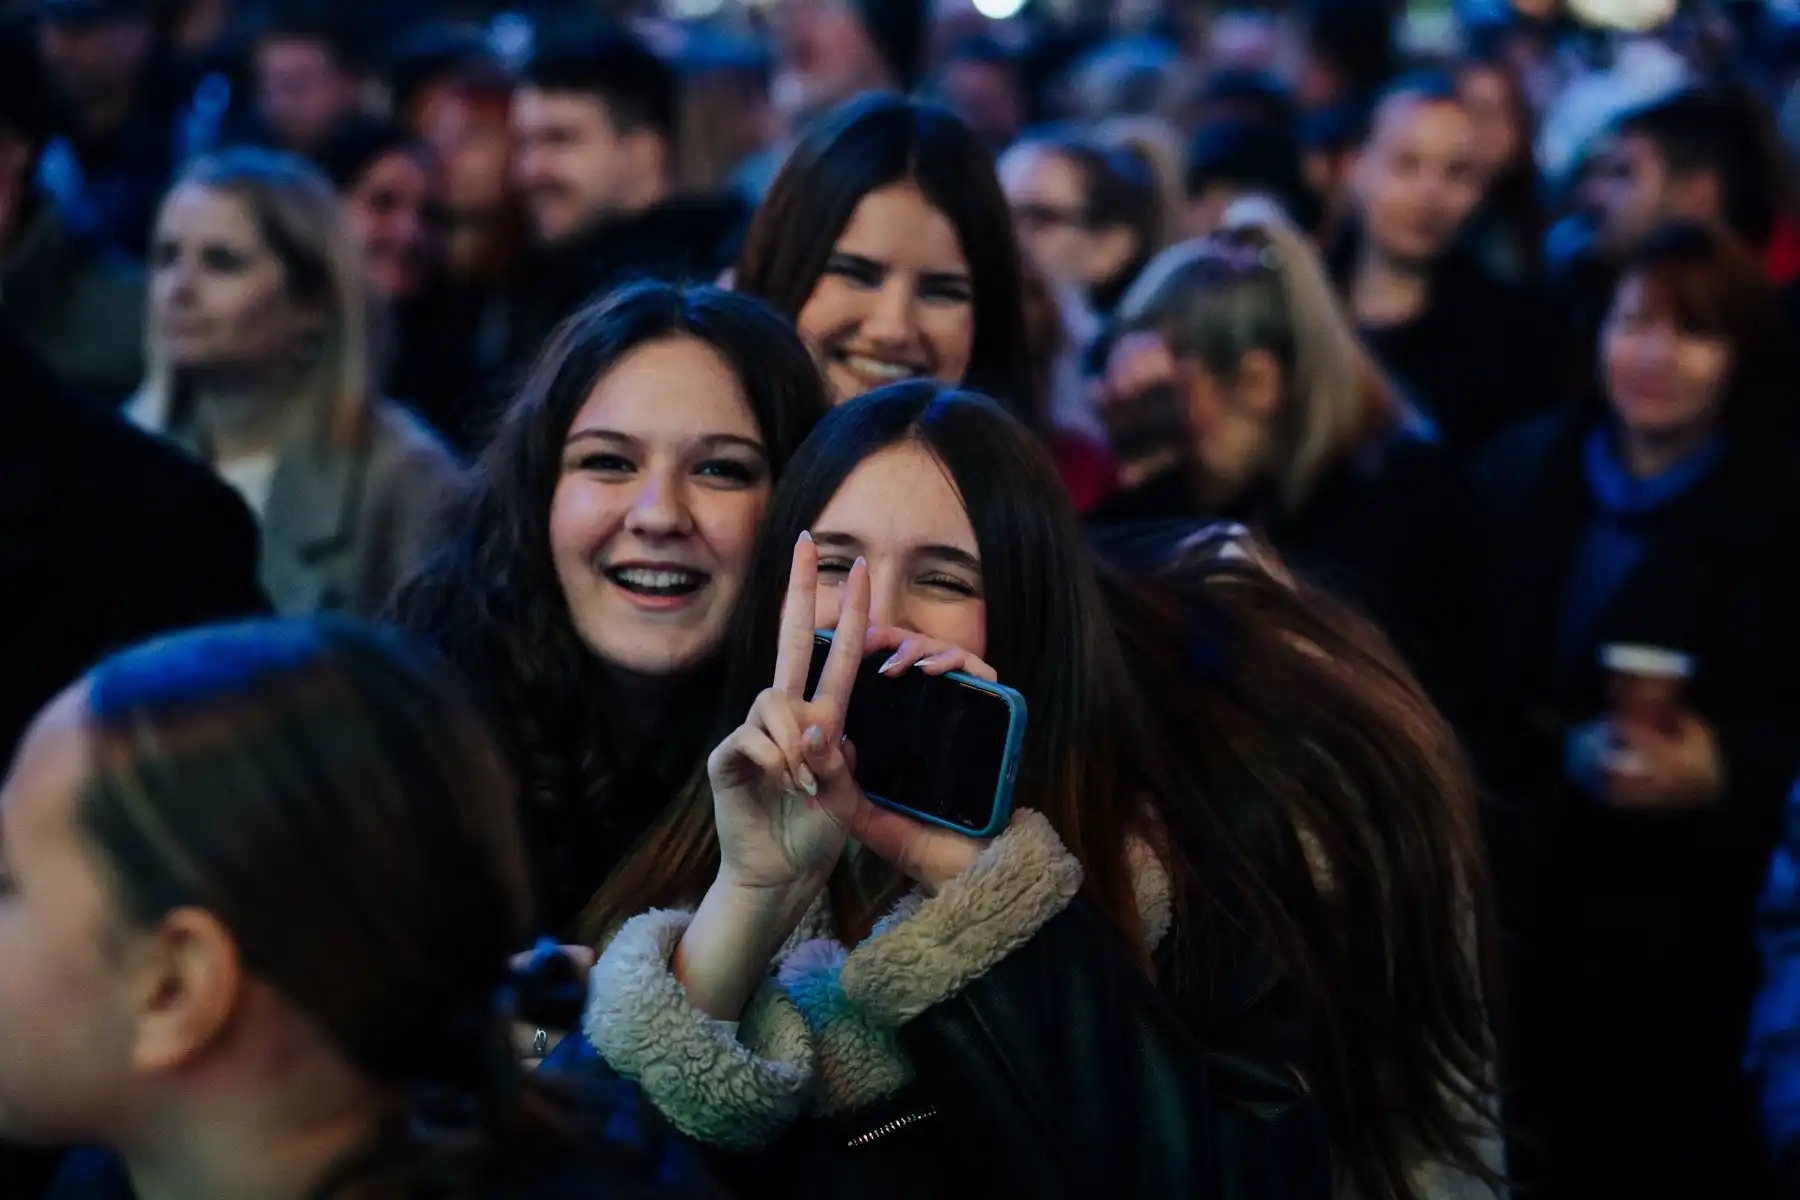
[783,793]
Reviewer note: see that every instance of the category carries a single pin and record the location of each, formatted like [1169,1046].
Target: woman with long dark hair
[261,884]
[1655,529]
[887,240]
[1143,986]
[598,551]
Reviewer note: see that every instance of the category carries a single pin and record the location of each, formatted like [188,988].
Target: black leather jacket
[1062,1072]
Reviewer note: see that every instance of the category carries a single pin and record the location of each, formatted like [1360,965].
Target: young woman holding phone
[1141,986]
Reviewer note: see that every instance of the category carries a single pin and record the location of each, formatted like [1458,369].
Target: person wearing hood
[595,121]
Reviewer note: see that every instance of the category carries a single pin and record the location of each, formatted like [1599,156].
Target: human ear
[190,983]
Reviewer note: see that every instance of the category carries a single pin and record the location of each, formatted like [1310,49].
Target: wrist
[732,940]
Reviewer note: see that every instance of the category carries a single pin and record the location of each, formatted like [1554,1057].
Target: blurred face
[1416,179]
[396,213]
[1487,98]
[986,95]
[895,300]
[1630,192]
[1049,212]
[1661,381]
[655,514]
[826,55]
[218,295]
[304,93]
[66,1032]
[91,59]
[900,511]
[473,141]
[574,169]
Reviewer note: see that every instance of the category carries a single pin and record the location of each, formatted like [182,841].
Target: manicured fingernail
[807,783]
[806,535]
[892,662]
[860,562]
[815,740]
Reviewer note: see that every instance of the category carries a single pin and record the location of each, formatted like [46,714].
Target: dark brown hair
[333,798]
[1710,284]
[870,144]
[1329,804]
[491,603]
[1271,745]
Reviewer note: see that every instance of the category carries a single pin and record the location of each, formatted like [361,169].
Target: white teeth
[874,368]
[645,578]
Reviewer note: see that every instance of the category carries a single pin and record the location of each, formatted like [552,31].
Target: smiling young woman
[887,240]
[1141,987]
[600,548]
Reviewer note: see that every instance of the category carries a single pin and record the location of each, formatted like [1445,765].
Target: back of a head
[1355,38]
[1713,131]
[1316,785]
[1248,156]
[638,90]
[333,800]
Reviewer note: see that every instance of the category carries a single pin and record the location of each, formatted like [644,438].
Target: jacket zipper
[894,1126]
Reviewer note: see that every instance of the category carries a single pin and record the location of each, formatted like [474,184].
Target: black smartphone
[942,748]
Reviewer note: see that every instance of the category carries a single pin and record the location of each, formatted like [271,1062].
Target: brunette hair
[870,144]
[1710,284]
[1303,764]
[1274,748]
[491,601]
[1515,193]
[333,798]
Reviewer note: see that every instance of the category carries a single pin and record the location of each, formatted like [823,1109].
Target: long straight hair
[302,222]
[1048,636]
[870,144]
[1271,746]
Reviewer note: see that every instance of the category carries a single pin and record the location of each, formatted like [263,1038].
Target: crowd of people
[433,434]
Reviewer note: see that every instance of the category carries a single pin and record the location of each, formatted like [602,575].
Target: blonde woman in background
[262,365]
[1235,387]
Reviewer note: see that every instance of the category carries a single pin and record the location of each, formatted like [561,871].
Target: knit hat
[899,31]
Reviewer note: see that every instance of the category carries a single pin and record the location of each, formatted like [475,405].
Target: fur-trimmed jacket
[992,1039]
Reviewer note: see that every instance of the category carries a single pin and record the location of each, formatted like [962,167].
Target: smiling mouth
[658,582]
[879,370]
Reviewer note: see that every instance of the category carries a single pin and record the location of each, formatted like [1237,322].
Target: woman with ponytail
[1236,388]
[260,887]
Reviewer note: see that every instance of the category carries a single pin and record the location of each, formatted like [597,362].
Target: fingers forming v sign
[783,794]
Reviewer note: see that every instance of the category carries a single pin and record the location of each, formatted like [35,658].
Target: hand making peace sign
[784,799]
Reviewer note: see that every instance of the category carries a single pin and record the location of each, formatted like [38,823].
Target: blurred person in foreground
[234,978]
